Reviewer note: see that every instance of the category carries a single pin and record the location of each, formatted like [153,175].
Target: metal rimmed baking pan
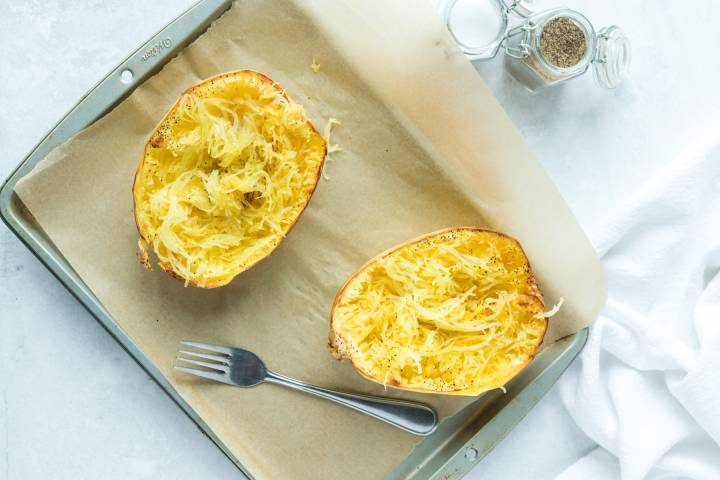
[459,443]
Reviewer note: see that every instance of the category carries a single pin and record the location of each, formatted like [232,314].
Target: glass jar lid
[479,26]
[612,57]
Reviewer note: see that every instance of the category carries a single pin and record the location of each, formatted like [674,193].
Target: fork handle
[412,417]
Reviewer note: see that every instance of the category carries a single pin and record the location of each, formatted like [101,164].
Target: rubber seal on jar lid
[612,58]
[478,26]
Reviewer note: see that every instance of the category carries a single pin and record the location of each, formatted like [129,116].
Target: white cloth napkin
[647,385]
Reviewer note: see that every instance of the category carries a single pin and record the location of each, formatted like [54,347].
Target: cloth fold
[647,385]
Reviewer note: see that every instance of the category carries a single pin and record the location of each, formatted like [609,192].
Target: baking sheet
[390,184]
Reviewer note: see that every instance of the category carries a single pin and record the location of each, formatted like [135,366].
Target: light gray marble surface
[73,405]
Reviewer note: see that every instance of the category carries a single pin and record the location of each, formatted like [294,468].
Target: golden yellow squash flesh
[224,177]
[455,311]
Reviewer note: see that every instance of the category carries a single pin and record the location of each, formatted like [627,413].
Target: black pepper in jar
[562,42]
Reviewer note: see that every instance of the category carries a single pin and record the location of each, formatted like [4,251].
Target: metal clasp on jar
[522,50]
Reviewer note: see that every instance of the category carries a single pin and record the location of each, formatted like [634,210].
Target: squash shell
[156,140]
[338,345]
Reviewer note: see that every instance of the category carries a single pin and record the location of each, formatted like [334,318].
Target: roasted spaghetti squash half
[224,177]
[455,312]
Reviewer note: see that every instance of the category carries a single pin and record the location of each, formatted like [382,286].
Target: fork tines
[215,365]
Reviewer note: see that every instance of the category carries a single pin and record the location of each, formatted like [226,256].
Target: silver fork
[243,368]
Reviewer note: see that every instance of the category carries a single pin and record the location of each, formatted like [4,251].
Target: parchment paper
[425,147]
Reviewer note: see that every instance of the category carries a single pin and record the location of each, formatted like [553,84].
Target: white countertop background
[99,415]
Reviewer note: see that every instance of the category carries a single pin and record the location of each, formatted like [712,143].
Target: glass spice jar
[546,48]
